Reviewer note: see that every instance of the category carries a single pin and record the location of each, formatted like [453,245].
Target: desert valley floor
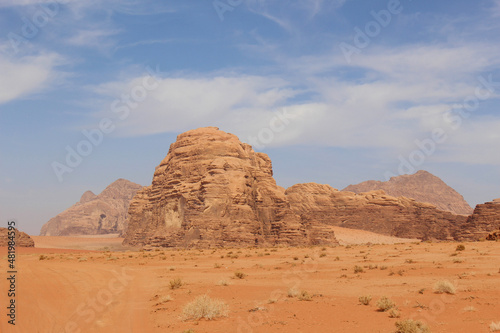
[95,285]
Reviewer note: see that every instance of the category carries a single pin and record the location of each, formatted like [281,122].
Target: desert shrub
[365,300]
[239,275]
[495,327]
[322,255]
[165,299]
[42,257]
[411,326]
[394,313]
[304,296]
[444,286]
[82,259]
[205,307]
[385,304]
[358,269]
[460,247]
[216,265]
[223,283]
[292,292]
[175,283]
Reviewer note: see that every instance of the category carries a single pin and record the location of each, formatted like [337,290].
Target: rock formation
[373,211]
[22,239]
[484,220]
[212,190]
[421,186]
[105,213]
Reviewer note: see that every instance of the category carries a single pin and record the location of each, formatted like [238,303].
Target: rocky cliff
[484,220]
[22,239]
[373,211]
[212,190]
[105,213]
[421,186]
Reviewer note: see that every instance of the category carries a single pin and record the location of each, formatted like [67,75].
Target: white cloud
[27,75]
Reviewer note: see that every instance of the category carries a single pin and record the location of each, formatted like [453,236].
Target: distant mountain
[105,213]
[22,239]
[421,186]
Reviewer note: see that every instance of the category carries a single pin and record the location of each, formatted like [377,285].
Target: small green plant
[175,283]
[239,275]
[444,286]
[460,247]
[365,300]
[411,326]
[358,269]
[205,307]
[385,304]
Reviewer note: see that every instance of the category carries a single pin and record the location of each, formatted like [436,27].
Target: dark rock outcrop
[22,238]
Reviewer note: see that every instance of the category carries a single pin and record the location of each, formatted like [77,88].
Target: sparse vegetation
[292,292]
[239,275]
[460,247]
[444,286]
[42,257]
[175,283]
[358,269]
[394,313]
[304,296]
[205,307]
[385,304]
[223,283]
[411,326]
[495,327]
[365,300]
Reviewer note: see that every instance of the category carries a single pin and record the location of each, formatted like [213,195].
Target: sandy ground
[90,289]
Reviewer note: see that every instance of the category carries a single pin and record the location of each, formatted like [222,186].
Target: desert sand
[96,285]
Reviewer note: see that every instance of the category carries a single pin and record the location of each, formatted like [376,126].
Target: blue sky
[335,92]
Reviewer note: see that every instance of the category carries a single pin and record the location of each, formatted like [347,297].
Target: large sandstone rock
[484,220]
[421,186]
[105,213]
[212,190]
[373,211]
[22,239]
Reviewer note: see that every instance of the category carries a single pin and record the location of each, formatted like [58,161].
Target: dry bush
[444,286]
[394,313]
[411,326]
[205,307]
[385,304]
[175,283]
[460,247]
[304,296]
[292,292]
[365,300]
[358,269]
[223,283]
[495,327]
[239,275]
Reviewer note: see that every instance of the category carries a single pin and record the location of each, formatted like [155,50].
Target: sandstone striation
[421,186]
[484,220]
[212,190]
[105,213]
[373,211]
[22,238]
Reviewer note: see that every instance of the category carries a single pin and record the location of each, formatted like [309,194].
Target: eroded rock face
[22,238]
[484,220]
[212,190]
[421,186]
[373,211]
[105,213]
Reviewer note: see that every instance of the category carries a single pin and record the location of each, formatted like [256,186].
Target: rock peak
[421,186]
[212,190]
